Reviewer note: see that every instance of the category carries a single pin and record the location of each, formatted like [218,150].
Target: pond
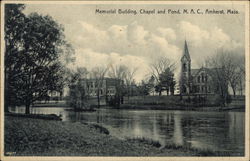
[222,131]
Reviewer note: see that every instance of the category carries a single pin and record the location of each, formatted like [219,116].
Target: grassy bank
[175,103]
[36,137]
[37,116]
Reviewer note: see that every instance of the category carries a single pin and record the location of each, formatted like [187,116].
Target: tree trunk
[28,103]
[180,96]
[6,100]
[6,95]
[27,108]
[118,101]
[234,92]
[159,93]
[241,88]
[98,98]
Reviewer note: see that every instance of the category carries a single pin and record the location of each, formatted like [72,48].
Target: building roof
[194,71]
[186,52]
[210,71]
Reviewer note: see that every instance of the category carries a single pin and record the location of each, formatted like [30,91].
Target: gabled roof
[210,71]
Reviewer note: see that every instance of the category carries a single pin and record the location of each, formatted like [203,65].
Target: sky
[138,40]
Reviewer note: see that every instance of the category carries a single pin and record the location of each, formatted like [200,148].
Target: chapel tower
[185,71]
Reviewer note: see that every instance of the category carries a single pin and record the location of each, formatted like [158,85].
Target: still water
[223,131]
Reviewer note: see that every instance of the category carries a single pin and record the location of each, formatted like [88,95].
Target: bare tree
[129,79]
[241,84]
[234,66]
[227,71]
[118,72]
[98,74]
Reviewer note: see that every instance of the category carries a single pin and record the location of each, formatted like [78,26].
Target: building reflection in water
[178,134]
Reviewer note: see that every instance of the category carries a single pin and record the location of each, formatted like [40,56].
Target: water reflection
[177,134]
[222,131]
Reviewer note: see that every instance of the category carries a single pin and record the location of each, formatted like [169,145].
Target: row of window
[203,78]
[111,91]
[92,85]
[202,89]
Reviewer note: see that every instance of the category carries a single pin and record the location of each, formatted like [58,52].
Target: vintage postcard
[124,80]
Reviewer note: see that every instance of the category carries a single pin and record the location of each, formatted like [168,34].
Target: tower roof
[185,51]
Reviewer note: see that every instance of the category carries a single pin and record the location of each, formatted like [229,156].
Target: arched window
[184,89]
[208,89]
[198,79]
[184,67]
[202,78]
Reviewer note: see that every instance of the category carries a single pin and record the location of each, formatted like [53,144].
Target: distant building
[195,81]
[107,86]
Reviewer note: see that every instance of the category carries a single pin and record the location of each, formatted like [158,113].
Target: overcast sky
[136,40]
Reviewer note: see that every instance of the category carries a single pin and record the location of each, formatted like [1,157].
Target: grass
[180,148]
[146,141]
[37,116]
[99,128]
[199,152]
[38,137]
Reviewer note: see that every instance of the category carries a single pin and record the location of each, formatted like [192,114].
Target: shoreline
[182,108]
[34,137]
[153,107]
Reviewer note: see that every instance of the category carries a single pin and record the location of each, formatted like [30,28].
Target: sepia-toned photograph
[123,79]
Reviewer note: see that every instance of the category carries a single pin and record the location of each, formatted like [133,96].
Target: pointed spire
[185,51]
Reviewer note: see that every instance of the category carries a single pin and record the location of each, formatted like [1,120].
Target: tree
[14,28]
[226,72]
[158,68]
[236,71]
[77,95]
[35,68]
[233,65]
[129,79]
[241,83]
[77,89]
[166,81]
[118,73]
[144,88]
[98,74]
[152,84]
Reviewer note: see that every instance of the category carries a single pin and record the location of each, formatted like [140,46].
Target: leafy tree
[158,67]
[144,88]
[166,82]
[151,84]
[33,47]
[14,29]
[77,96]
[77,90]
